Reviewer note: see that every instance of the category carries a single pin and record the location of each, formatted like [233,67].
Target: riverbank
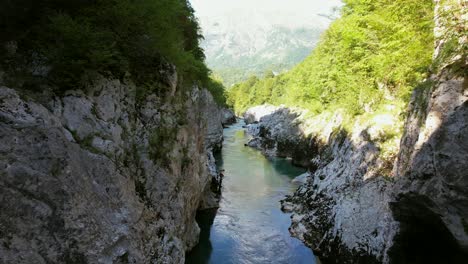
[352,208]
[340,207]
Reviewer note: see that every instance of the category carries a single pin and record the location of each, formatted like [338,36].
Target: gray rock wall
[346,210]
[432,167]
[349,213]
[229,117]
[100,177]
[342,210]
[431,190]
[278,131]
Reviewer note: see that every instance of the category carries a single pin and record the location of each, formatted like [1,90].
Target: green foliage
[254,90]
[216,88]
[79,37]
[451,36]
[374,54]
[160,144]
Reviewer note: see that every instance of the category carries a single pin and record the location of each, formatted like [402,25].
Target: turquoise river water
[249,227]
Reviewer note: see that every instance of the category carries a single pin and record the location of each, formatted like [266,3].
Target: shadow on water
[201,253]
[219,159]
[285,166]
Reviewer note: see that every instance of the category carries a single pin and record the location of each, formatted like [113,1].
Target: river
[249,227]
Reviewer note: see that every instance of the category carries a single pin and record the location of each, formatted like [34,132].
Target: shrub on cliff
[216,88]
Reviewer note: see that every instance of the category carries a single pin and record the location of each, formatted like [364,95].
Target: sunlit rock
[97,177]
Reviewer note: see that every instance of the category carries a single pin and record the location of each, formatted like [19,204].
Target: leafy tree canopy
[75,37]
[376,52]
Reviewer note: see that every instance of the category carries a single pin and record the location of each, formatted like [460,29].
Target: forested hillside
[376,53]
[365,66]
[69,41]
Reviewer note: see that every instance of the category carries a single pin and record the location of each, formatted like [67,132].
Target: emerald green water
[249,226]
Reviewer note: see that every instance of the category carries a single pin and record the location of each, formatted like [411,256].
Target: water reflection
[249,227]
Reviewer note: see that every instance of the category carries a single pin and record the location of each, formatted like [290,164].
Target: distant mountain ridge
[242,43]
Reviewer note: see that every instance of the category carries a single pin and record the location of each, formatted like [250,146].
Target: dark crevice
[423,237]
[201,253]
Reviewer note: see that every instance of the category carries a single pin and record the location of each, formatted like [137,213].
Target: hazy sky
[298,7]
[244,15]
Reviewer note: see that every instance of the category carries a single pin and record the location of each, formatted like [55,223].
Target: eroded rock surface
[101,177]
[348,205]
[278,131]
[342,204]
[432,171]
[254,114]
[229,117]
[353,208]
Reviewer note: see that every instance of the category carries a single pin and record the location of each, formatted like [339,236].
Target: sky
[238,30]
[300,7]
[279,11]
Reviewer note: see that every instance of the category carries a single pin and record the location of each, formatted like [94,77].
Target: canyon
[112,138]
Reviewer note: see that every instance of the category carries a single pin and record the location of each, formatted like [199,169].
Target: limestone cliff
[352,207]
[101,175]
[229,117]
[341,211]
[431,171]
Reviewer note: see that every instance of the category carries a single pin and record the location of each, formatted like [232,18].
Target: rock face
[278,132]
[432,166]
[346,210]
[349,213]
[229,117]
[254,114]
[342,205]
[213,116]
[102,177]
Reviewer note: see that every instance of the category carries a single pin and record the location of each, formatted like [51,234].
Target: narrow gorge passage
[249,226]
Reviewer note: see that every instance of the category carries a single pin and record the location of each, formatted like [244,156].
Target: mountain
[240,42]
